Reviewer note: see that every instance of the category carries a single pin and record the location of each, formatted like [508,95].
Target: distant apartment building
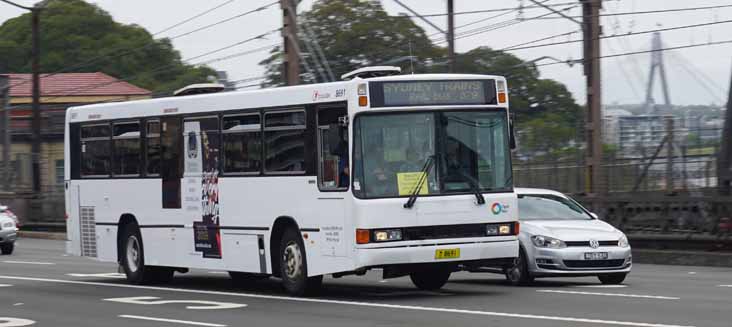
[636,135]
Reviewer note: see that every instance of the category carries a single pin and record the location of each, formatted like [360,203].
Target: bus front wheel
[430,279]
[293,266]
[133,260]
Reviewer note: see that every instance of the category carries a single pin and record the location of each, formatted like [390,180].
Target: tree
[354,34]
[75,32]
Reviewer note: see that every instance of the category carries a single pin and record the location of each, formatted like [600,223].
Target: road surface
[41,286]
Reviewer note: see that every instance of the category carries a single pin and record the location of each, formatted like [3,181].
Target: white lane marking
[185,322]
[692,273]
[29,262]
[218,272]
[103,275]
[5,285]
[612,294]
[603,286]
[201,305]
[15,322]
[352,303]
[383,281]
[724,285]
[18,304]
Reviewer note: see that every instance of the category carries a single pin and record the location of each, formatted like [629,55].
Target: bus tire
[7,248]
[430,279]
[293,266]
[133,260]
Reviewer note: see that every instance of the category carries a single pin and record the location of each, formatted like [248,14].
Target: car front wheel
[7,248]
[518,273]
[612,279]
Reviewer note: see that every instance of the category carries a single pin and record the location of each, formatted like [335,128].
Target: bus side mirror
[512,137]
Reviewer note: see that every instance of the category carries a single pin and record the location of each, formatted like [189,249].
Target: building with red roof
[58,92]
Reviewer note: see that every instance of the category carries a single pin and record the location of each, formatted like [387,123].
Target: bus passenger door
[171,171]
[333,179]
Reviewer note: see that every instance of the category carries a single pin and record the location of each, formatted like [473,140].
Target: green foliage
[75,32]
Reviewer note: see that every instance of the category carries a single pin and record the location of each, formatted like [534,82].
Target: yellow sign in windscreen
[408,181]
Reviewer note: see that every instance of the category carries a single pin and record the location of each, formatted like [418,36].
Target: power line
[647,51]
[539,40]
[618,35]
[496,9]
[648,12]
[192,18]
[114,54]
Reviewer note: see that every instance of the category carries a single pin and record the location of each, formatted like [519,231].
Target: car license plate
[447,254]
[596,256]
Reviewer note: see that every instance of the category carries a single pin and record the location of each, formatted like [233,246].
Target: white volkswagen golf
[559,237]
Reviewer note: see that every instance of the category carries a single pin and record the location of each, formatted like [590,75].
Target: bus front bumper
[484,251]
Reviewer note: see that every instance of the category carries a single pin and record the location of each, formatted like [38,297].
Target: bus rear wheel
[293,266]
[133,260]
[431,279]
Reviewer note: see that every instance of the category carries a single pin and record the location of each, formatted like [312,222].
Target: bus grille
[443,231]
[88,232]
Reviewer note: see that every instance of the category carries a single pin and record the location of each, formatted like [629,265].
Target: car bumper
[400,255]
[7,236]
[571,261]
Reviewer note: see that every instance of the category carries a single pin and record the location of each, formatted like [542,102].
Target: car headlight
[623,242]
[8,225]
[387,235]
[547,242]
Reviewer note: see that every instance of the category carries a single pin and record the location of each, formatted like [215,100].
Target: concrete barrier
[682,258]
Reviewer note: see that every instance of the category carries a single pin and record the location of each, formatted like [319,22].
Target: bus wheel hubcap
[133,253]
[293,260]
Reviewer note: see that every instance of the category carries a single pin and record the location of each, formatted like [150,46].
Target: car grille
[587,243]
[443,231]
[594,263]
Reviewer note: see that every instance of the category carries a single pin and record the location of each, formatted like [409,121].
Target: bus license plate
[447,254]
[596,256]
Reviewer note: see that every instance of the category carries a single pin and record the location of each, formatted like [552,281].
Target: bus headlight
[388,235]
[498,229]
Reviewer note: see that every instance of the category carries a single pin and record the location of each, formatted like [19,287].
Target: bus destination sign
[416,93]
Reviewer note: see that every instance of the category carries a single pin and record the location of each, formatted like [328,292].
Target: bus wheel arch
[124,220]
[279,227]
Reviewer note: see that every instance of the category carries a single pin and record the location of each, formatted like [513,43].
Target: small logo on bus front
[496,208]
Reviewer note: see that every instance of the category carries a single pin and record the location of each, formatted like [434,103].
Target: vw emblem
[594,244]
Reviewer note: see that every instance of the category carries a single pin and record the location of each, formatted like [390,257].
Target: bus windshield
[470,150]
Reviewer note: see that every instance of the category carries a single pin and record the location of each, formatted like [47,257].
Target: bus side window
[95,150]
[333,163]
[127,156]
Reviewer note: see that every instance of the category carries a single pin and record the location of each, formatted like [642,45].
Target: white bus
[410,174]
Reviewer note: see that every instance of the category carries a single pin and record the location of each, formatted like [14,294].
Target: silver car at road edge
[560,238]
[8,231]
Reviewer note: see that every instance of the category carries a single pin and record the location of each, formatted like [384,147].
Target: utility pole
[291,64]
[451,35]
[5,125]
[36,66]
[669,154]
[591,31]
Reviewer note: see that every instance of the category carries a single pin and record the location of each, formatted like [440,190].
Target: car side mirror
[594,215]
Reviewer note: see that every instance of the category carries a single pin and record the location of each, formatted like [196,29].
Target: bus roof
[262,98]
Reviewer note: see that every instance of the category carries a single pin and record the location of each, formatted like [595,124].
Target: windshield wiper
[474,186]
[422,178]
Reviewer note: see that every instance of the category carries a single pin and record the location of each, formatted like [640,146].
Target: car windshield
[470,150]
[550,207]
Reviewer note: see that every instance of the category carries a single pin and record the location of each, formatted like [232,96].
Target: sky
[699,75]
